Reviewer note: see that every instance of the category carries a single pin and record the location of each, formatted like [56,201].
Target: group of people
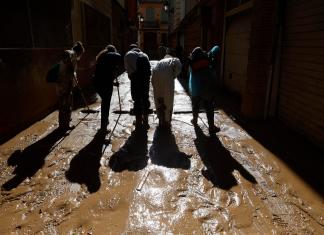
[110,64]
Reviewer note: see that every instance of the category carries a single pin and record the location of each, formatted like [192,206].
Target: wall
[151,29]
[120,31]
[261,54]
[192,35]
[25,96]
[31,42]
[301,90]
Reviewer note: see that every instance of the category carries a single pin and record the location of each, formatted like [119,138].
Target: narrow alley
[235,144]
[154,182]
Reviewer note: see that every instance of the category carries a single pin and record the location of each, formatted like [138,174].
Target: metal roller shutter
[237,43]
[301,91]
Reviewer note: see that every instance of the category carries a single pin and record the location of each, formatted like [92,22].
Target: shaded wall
[25,96]
[31,42]
[120,30]
[301,81]
[261,54]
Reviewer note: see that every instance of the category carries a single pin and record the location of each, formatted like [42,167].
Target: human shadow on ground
[218,161]
[164,151]
[31,159]
[132,155]
[84,167]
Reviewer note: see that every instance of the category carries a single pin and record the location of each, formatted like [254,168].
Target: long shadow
[31,159]
[218,161]
[84,167]
[132,155]
[295,150]
[164,151]
[302,156]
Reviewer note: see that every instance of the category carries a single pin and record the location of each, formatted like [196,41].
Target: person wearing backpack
[66,81]
[138,68]
[108,68]
[201,87]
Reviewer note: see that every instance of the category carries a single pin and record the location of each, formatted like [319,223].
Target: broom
[87,110]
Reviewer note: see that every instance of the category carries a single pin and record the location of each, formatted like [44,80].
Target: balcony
[151,24]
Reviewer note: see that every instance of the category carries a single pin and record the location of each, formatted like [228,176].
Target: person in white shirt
[164,73]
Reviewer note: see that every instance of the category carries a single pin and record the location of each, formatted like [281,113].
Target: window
[150,14]
[164,16]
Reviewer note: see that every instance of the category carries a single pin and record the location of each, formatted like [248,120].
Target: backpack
[53,73]
[143,66]
[200,64]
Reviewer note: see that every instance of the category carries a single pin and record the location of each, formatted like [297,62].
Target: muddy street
[150,182]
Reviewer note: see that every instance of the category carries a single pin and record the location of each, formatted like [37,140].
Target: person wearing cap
[138,68]
[108,68]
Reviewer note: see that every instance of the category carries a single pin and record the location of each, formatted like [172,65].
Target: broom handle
[120,108]
[81,92]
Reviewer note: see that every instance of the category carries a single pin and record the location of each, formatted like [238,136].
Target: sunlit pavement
[154,182]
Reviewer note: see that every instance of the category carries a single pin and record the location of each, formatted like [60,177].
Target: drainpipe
[30,24]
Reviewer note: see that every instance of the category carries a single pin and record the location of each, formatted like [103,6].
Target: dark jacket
[108,68]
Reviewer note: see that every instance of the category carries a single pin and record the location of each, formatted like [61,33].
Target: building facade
[200,24]
[152,27]
[272,56]
[32,41]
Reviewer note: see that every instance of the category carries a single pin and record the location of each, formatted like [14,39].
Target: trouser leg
[195,109]
[105,107]
[160,110]
[146,102]
[65,109]
[145,95]
[210,117]
[209,112]
[136,95]
[140,96]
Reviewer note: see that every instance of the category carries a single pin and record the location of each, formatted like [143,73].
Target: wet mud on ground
[150,182]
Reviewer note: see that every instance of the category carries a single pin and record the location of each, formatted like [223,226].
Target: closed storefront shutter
[237,42]
[301,90]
